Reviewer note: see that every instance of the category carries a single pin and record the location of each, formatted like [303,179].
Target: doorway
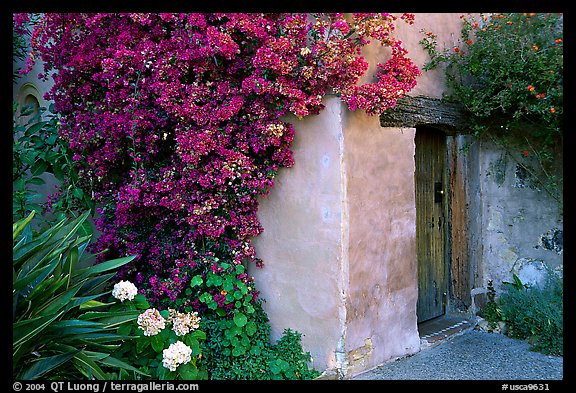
[430,187]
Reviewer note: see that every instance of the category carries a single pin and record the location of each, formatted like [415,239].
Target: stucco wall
[339,228]
[381,305]
[304,277]
[446,26]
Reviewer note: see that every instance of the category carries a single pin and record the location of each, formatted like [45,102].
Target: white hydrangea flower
[183,323]
[175,355]
[151,322]
[124,290]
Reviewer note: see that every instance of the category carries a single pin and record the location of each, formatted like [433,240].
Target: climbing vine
[507,71]
[181,123]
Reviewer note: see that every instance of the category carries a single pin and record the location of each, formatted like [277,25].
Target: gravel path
[472,355]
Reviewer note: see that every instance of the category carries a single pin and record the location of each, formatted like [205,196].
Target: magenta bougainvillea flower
[180,121]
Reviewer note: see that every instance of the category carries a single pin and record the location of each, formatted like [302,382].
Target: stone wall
[522,225]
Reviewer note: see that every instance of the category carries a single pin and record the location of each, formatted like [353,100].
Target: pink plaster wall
[382,293]
[301,244]
[447,27]
[339,228]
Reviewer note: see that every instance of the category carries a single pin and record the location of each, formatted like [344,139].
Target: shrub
[506,69]
[62,329]
[262,360]
[535,313]
[491,312]
[37,150]
[166,343]
[56,334]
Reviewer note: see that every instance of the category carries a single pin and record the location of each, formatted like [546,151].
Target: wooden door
[430,160]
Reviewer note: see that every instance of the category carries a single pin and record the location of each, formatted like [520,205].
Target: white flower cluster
[176,354]
[124,290]
[151,322]
[183,323]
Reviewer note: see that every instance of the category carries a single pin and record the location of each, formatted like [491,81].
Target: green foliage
[261,360]
[491,312]
[291,362]
[238,332]
[145,353]
[507,72]
[56,334]
[535,313]
[37,149]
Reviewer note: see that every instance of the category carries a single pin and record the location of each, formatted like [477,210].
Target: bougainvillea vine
[182,122]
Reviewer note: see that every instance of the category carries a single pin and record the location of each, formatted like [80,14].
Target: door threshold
[442,328]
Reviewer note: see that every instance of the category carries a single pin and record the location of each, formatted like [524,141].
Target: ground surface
[472,355]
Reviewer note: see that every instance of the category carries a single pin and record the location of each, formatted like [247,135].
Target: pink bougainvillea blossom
[182,120]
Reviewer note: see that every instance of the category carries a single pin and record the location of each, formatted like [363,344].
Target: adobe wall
[339,229]
[304,217]
[382,293]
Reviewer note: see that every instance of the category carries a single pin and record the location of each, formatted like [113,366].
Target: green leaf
[114,362]
[196,281]
[251,328]
[19,226]
[228,285]
[44,365]
[125,330]
[157,343]
[78,193]
[205,298]
[111,319]
[214,280]
[29,281]
[75,323]
[94,304]
[238,351]
[59,302]
[39,167]
[37,181]
[240,319]
[102,267]
[120,319]
[23,331]
[51,139]
[35,127]
[198,334]
[140,302]
[188,371]
[95,338]
[141,344]
[88,367]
